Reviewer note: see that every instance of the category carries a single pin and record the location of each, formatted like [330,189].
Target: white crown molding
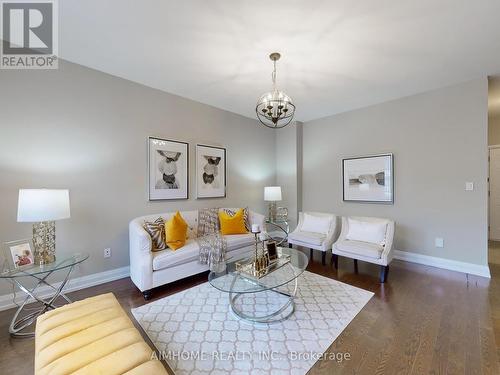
[82,282]
[448,264]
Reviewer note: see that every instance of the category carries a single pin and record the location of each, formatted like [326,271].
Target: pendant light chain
[273,75]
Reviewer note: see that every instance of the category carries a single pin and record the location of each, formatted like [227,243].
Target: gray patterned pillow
[156,230]
[246,216]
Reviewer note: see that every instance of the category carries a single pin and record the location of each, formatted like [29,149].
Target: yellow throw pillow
[176,231]
[232,224]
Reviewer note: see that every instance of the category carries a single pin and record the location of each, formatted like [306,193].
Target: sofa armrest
[141,256]
[344,229]
[332,233]
[388,253]
[299,223]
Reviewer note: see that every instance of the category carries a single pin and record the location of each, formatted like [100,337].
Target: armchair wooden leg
[384,272]
[147,294]
[290,245]
[311,256]
[323,258]
[335,261]
[355,266]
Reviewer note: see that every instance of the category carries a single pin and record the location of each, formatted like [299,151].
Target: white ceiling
[337,55]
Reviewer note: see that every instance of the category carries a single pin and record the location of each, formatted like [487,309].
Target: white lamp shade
[272,193]
[36,205]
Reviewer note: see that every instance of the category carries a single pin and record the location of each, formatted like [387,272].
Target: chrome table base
[20,323]
[279,315]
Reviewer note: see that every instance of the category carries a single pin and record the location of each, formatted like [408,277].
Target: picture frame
[168,169]
[19,254]
[272,250]
[210,172]
[368,179]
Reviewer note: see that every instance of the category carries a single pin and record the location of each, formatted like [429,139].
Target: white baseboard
[82,282]
[448,264]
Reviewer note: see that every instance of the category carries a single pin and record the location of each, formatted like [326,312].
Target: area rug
[196,332]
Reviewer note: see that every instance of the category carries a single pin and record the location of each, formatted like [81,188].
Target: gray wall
[439,141]
[87,131]
[84,130]
[288,169]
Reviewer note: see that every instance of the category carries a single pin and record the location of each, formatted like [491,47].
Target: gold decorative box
[260,266]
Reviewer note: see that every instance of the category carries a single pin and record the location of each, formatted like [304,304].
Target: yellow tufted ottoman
[92,336]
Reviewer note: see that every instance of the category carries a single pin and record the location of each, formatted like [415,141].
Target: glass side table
[37,275]
[277,230]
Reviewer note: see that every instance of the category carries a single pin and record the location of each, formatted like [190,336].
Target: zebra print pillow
[156,230]
[246,216]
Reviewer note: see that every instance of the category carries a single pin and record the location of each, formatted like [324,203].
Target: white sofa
[314,240]
[377,253]
[150,269]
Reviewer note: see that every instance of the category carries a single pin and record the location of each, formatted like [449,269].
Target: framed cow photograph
[210,171]
[368,179]
[168,169]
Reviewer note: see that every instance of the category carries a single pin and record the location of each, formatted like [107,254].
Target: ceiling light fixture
[275,108]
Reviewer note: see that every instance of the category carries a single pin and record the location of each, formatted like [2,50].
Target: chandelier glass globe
[275,109]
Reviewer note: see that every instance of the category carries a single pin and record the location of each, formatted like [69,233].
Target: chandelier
[275,108]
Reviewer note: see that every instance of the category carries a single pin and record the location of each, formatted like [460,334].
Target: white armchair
[368,239]
[315,230]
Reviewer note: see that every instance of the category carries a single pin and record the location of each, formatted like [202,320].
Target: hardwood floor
[494,252]
[424,320]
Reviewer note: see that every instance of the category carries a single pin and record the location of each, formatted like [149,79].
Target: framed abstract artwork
[210,171]
[368,179]
[168,169]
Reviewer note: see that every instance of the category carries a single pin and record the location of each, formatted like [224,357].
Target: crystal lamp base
[44,240]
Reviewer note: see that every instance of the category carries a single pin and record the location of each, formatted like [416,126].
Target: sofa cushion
[234,224]
[365,231]
[176,231]
[191,251]
[246,215]
[236,241]
[312,238]
[316,224]
[170,258]
[156,230]
[365,249]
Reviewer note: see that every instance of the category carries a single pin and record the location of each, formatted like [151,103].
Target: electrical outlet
[469,186]
[107,252]
[439,242]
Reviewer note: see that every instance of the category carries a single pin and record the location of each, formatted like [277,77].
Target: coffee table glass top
[232,281]
[59,264]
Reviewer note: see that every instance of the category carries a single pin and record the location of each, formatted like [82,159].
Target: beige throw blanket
[212,244]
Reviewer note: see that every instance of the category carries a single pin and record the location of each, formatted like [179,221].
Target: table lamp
[43,207]
[272,194]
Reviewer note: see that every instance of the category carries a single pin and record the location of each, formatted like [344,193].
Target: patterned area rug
[196,332]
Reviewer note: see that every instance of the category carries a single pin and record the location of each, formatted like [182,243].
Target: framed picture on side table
[19,254]
[368,179]
[168,169]
[210,172]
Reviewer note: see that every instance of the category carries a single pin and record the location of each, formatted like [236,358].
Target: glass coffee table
[29,280]
[250,298]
